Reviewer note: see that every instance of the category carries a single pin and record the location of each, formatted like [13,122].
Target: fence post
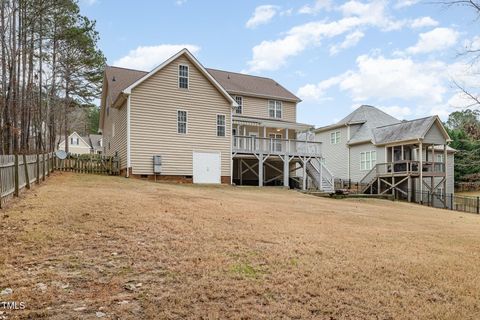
[38,168]
[478,205]
[48,164]
[451,201]
[16,176]
[25,165]
[43,166]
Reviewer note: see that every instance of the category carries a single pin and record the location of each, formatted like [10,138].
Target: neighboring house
[76,144]
[204,125]
[96,143]
[387,155]
[82,144]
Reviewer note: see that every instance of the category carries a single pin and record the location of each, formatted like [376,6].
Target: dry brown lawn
[82,244]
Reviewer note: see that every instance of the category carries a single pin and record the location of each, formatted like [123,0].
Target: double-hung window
[335,137]
[182,121]
[74,141]
[183,76]
[275,109]
[239,101]
[221,125]
[368,160]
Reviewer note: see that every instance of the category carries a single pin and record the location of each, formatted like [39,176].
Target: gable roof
[380,128]
[118,79]
[368,117]
[407,130]
[85,139]
[195,62]
[95,141]
[243,84]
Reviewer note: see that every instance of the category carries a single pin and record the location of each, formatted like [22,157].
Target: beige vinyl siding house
[154,105]
[76,144]
[140,119]
[186,116]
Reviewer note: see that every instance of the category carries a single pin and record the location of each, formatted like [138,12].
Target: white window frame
[186,121]
[368,160]
[220,125]
[277,107]
[439,157]
[188,76]
[335,137]
[239,109]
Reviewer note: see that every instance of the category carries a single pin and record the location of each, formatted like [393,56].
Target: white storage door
[206,167]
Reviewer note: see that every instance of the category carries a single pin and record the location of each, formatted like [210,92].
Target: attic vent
[113,79]
[276,84]
[228,76]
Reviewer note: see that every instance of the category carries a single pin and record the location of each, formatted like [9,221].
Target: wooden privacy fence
[89,163]
[20,171]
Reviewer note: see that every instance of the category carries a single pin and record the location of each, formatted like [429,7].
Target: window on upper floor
[182,119]
[239,101]
[368,160]
[335,137]
[183,76]
[221,125]
[74,141]
[275,109]
[439,158]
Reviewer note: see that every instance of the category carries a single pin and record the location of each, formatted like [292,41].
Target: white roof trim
[75,133]
[194,60]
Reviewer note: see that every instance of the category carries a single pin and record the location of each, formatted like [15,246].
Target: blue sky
[399,55]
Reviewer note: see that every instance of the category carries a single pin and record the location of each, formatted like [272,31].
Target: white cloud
[90,2]
[317,92]
[180,2]
[435,40]
[273,54]
[405,3]
[397,111]
[423,22]
[406,80]
[148,57]
[262,15]
[399,78]
[351,40]
[318,6]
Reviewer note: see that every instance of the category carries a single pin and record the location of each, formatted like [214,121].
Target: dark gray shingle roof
[95,141]
[405,130]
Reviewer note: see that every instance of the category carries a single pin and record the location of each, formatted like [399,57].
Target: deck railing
[409,167]
[252,144]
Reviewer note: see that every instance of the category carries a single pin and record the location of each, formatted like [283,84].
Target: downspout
[128,137]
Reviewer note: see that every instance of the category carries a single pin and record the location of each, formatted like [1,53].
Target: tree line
[51,69]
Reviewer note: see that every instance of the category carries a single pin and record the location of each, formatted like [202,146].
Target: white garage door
[206,167]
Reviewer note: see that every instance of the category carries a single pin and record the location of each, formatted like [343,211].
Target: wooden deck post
[260,170]
[304,175]
[286,170]
[25,166]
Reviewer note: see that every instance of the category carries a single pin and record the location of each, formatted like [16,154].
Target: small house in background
[96,143]
[82,144]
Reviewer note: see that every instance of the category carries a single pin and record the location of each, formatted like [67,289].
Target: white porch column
[260,170]
[286,170]
[445,154]
[420,159]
